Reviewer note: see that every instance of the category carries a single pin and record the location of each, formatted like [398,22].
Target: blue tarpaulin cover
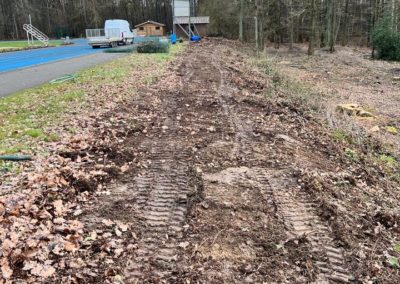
[173,38]
[195,38]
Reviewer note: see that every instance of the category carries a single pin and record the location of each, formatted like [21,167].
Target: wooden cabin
[150,28]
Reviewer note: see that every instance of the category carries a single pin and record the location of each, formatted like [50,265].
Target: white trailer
[115,32]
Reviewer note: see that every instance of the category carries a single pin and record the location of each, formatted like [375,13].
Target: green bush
[386,41]
[153,47]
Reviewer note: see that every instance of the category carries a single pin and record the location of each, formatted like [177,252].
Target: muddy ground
[222,184]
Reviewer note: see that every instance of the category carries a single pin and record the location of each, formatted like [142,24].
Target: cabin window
[157,28]
[141,29]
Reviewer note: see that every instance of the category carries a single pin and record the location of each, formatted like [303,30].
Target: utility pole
[241,20]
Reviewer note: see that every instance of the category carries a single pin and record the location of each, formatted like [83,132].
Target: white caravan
[115,32]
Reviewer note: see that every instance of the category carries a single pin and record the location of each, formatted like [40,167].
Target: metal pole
[173,18]
[190,28]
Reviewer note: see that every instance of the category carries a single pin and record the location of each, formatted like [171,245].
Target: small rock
[205,205]
[211,129]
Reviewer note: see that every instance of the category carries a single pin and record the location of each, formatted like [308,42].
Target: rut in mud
[217,192]
[162,191]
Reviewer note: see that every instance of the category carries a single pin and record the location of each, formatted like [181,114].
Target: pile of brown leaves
[40,234]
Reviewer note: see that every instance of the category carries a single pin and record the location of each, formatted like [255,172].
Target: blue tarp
[173,39]
[195,38]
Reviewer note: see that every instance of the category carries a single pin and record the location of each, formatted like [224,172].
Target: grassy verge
[287,90]
[31,117]
[22,45]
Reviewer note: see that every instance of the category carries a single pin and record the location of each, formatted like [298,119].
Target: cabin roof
[150,22]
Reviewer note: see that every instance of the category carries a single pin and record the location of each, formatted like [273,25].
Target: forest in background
[324,22]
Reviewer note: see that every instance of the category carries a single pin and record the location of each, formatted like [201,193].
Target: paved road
[21,59]
[17,80]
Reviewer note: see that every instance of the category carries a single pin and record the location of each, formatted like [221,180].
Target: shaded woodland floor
[349,76]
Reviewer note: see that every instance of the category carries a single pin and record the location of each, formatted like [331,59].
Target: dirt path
[218,192]
[295,209]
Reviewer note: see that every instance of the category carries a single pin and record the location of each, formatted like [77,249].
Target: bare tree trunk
[291,25]
[345,37]
[16,28]
[311,43]
[332,25]
[241,20]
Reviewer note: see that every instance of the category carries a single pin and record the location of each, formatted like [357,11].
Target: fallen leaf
[6,271]
[122,226]
[125,168]
[184,245]
[70,247]
[108,223]
[58,206]
[118,252]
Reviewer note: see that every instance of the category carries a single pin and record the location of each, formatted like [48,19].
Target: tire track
[162,197]
[293,206]
[163,192]
[301,221]
[242,146]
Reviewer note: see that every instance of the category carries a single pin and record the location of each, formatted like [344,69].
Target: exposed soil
[227,186]
[349,76]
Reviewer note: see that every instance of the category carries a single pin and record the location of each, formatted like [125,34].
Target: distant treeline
[59,18]
[292,21]
[324,22]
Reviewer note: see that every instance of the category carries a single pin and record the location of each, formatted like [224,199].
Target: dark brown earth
[226,185]
[229,187]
